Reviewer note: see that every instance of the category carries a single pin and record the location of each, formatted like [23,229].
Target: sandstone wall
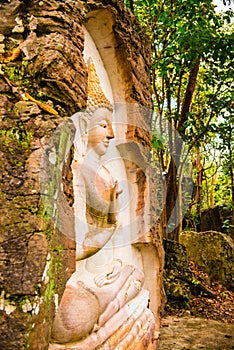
[43,81]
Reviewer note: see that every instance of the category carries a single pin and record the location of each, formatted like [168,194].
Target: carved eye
[103,124]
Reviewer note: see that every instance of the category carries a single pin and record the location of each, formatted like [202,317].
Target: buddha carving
[104,305]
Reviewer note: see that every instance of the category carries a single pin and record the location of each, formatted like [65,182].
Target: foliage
[192,79]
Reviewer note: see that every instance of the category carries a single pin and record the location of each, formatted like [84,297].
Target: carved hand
[109,277]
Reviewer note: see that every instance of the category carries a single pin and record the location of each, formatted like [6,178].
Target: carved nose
[110,132]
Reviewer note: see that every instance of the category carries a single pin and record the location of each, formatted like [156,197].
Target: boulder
[177,275]
[213,251]
[179,281]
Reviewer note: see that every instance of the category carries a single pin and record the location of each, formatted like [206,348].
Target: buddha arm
[94,240]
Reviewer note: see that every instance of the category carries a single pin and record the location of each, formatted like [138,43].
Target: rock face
[179,281]
[214,251]
[177,274]
[43,81]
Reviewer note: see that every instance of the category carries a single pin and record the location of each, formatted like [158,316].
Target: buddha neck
[92,157]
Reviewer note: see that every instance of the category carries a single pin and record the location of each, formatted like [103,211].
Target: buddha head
[96,122]
[100,131]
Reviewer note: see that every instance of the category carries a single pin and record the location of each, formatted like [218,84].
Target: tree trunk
[173,171]
[212,188]
[199,178]
[172,192]
[231,173]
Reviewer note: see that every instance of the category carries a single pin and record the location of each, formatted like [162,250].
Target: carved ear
[81,139]
[83,124]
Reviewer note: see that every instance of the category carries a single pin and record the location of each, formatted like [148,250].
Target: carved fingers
[110,276]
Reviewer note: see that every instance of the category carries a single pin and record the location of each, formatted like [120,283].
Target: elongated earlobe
[83,125]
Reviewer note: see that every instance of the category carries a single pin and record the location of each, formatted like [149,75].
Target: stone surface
[177,274]
[75,322]
[180,282]
[214,251]
[105,303]
[35,259]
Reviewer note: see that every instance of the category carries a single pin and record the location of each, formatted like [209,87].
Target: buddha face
[100,131]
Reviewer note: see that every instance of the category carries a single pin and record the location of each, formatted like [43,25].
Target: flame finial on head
[96,96]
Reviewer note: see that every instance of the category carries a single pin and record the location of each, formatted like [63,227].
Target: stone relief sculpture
[104,305]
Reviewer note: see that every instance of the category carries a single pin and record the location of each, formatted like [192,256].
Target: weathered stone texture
[179,281]
[177,274]
[213,251]
[35,259]
[132,51]
[51,69]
